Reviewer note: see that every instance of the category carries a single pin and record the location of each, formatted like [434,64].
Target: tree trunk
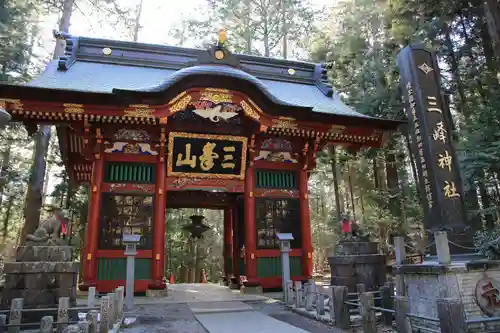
[338,208]
[34,193]
[6,219]
[284,29]
[4,170]
[137,23]
[492,15]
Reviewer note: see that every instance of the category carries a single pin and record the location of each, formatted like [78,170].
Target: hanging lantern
[196,228]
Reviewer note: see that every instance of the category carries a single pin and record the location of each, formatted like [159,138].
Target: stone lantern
[196,228]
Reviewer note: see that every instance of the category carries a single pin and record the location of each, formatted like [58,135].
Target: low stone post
[91,297]
[47,324]
[368,321]
[16,314]
[402,308]
[320,304]
[298,296]
[92,319]
[442,247]
[84,326]
[62,314]
[451,316]
[341,310]
[386,303]
[112,311]
[360,288]
[400,250]
[3,322]
[331,295]
[120,292]
[289,290]
[104,322]
[309,297]
[298,291]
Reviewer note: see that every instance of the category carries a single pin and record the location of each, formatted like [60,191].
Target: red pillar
[249,212]
[228,240]
[158,264]
[92,234]
[305,224]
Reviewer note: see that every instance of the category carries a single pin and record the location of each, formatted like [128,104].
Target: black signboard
[208,156]
[428,115]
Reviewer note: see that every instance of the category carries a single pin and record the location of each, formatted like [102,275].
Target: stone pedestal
[357,263]
[40,275]
[475,283]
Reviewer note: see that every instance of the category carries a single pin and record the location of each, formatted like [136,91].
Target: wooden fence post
[386,303]
[341,310]
[104,323]
[47,324]
[368,321]
[16,314]
[401,308]
[451,316]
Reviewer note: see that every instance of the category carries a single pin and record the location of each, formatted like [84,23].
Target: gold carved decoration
[107,51]
[216,97]
[284,122]
[73,108]
[337,129]
[170,156]
[219,55]
[181,104]
[15,103]
[249,111]
[139,111]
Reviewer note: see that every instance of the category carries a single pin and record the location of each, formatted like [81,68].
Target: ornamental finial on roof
[222,36]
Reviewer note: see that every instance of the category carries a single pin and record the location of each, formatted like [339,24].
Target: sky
[158,17]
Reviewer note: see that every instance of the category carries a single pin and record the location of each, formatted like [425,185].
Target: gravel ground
[164,318]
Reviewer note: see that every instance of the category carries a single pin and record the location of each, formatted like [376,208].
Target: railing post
[298,295]
[368,322]
[360,288]
[62,314]
[3,322]
[386,303]
[91,297]
[104,325]
[341,310]
[331,296]
[47,324]
[92,319]
[451,316]
[401,309]
[16,313]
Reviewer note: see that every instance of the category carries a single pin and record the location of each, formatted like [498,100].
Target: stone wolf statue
[48,232]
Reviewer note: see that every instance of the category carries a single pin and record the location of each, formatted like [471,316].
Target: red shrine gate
[149,127]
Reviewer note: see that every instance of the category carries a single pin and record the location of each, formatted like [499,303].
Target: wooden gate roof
[109,72]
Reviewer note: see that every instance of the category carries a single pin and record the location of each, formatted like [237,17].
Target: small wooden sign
[206,156]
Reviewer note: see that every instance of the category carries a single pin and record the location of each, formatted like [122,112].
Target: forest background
[358,39]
